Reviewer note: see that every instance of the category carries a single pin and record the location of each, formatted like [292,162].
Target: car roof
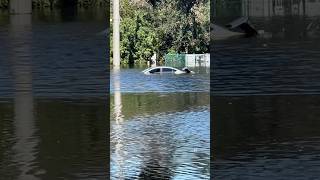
[158,67]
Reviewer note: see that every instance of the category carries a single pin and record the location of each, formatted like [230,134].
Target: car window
[155,70]
[168,70]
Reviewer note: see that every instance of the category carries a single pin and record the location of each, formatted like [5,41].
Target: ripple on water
[133,80]
[294,159]
[162,145]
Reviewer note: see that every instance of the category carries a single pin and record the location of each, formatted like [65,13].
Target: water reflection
[52,99]
[118,129]
[286,63]
[267,8]
[270,136]
[117,96]
[163,136]
[274,18]
[25,145]
[133,81]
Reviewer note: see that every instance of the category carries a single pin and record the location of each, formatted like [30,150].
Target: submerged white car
[166,69]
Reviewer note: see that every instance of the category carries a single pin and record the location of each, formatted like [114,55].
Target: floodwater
[160,125]
[266,101]
[53,103]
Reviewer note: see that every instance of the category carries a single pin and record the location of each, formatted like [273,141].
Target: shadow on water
[149,171]
[265,90]
[52,113]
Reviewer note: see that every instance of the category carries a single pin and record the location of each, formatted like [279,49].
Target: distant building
[269,8]
[197,60]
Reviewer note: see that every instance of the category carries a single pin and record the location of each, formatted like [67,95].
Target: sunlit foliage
[162,26]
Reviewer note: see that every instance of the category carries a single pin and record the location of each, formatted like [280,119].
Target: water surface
[159,125]
[265,100]
[134,81]
[53,96]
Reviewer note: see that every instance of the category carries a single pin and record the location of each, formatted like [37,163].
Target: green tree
[163,26]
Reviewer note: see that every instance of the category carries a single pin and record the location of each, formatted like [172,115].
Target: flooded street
[53,96]
[159,125]
[266,102]
[266,137]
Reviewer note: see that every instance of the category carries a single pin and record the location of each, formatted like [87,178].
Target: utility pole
[116,34]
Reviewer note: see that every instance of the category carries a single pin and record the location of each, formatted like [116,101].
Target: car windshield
[155,70]
[148,69]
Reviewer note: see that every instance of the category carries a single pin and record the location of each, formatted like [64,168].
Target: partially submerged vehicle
[236,28]
[166,69]
[221,33]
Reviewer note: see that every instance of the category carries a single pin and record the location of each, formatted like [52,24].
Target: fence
[187,60]
[175,60]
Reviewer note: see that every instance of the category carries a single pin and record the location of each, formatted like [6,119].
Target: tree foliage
[163,26]
[4,4]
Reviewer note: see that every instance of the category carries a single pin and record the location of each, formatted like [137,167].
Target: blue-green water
[160,126]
